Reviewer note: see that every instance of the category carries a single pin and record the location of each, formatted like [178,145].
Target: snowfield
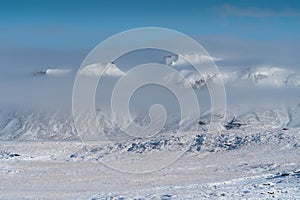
[233,164]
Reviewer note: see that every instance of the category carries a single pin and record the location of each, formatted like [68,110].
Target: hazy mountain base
[59,125]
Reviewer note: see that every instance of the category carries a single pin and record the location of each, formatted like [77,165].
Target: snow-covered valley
[227,166]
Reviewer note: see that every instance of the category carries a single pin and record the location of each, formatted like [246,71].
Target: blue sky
[68,23]
[37,35]
[63,32]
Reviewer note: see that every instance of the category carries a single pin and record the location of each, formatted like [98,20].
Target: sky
[36,35]
[63,32]
[67,24]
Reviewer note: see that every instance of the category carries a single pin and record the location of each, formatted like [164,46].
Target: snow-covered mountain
[262,76]
[58,125]
[254,150]
[256,77]
[241,115]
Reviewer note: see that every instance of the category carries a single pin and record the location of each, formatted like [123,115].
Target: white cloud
[53,72]
[175,60]
[98,69]
[228,9]
[57,71]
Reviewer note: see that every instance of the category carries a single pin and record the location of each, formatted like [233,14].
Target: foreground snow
[264,164]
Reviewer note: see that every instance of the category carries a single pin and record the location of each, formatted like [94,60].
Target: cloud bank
[251,11]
